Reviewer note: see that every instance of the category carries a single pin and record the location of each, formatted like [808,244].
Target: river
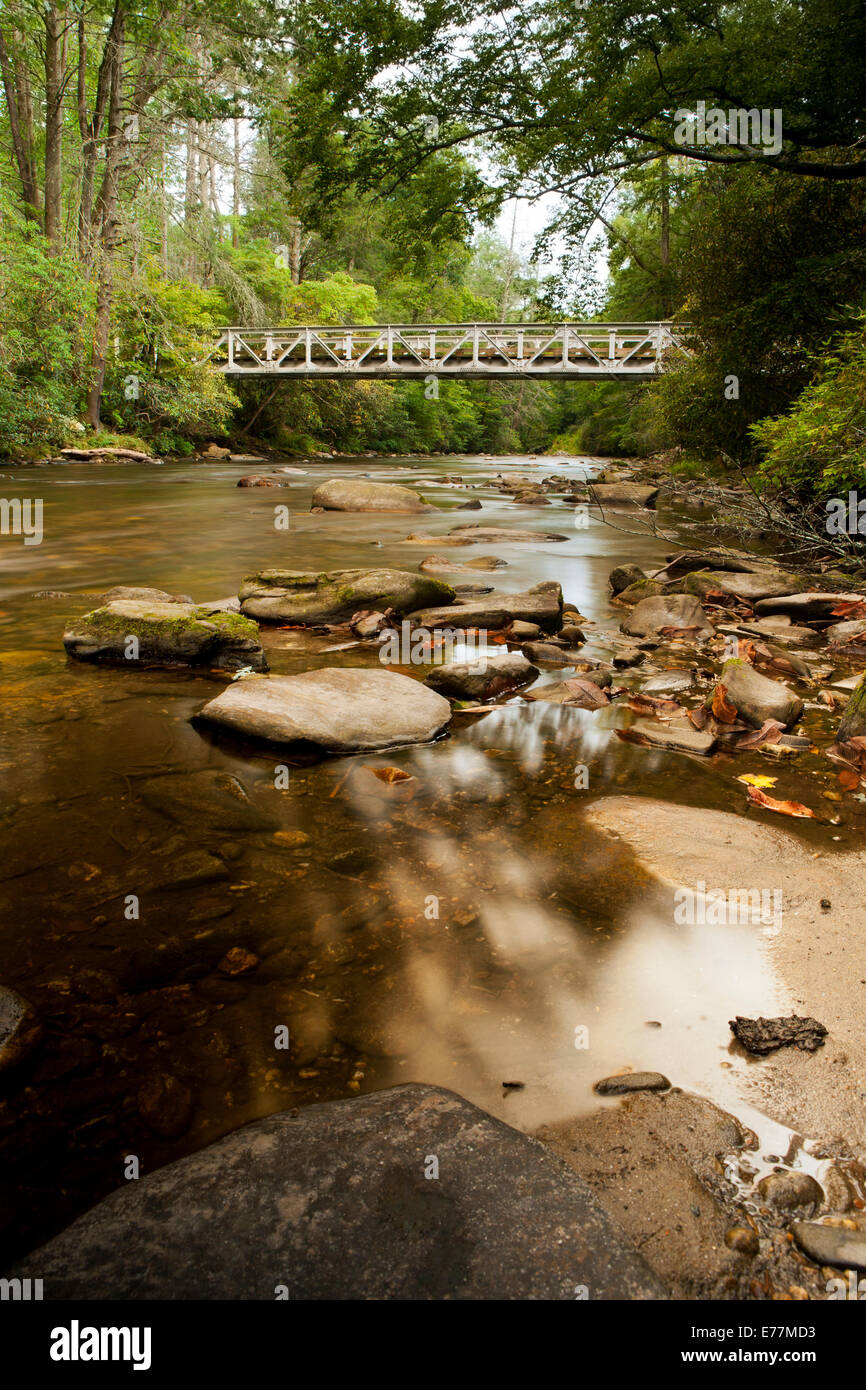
[474,935]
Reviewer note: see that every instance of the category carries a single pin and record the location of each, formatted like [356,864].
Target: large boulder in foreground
[541,605]
[332,1202]
[361,495]
[854,719]
[302,596]
[756,697]
[166,634]
[342,710]
[678,612]
[483,678]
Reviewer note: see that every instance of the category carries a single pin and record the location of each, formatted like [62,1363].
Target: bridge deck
[574,351]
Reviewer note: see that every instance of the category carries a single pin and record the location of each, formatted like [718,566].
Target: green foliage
[157,381]
[45,317]
[817,449]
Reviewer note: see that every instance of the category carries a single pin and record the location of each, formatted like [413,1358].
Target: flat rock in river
[361,495]
[752,586]
[812,606]
[496,535]
[303,596]
[623,494]
[332,1201]
[677,735]
[165,634]
[541,605]
[341,709]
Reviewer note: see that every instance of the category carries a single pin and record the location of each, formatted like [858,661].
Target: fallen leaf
[848,779]
[722,707]
[785,808]
[585,694]
[754,779]
[390,774]
[656,706]
[678,632]
[848,610]
[769,732]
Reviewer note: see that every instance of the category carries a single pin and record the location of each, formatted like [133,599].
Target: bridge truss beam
[569,351]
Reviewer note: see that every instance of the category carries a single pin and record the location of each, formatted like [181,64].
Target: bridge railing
[589,350]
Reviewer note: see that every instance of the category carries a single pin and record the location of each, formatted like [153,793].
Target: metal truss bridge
[568,351]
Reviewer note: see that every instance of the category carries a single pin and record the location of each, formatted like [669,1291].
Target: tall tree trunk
[665,235]
[236,179]
[90,128]
[55,45]
[107,208]
[189,193]
[16,86]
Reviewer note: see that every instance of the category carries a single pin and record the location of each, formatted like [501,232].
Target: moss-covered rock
[644,588]
[133,633]
[302,596]
[854,719]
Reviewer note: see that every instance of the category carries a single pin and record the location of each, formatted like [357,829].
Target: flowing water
[473,935]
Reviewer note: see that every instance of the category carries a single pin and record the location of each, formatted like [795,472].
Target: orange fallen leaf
[849,780]
[722,707]
[785,808]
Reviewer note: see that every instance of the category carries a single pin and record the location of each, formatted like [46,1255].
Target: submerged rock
[303,596]
[435,564]
[628,1082]
[141,594]
[764,1035]
[258,480]
[333,1200]
[482,679]
[756,697]
[361,495]
[165,634]
[681,612]
[341,710]
[679,735]
[209,800]
[790,1190]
